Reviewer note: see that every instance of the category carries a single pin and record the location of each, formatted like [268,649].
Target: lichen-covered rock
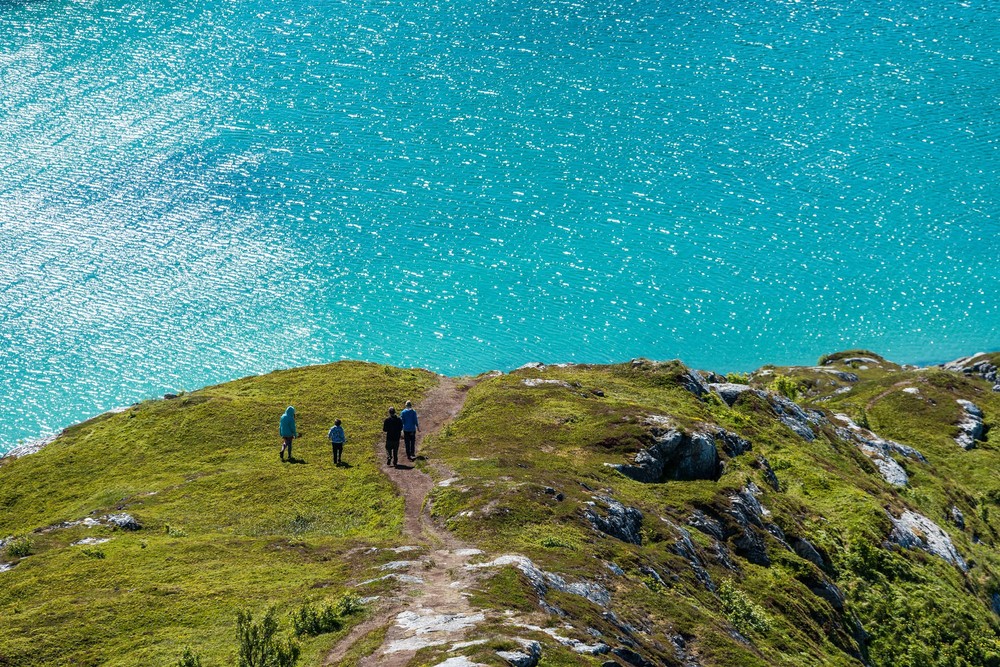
[123,521]
[996,603]
[769,476]
[707,524]
[915,531]
[617,520]
[528,656]
[674,456]
[793,415]
[693,382]
[730,392]
[806,550]
[732,444]
[879,450]
[542,581]
[684,547]
[957,517]
[976,366]
[970,425]
[749,517]
[697,458]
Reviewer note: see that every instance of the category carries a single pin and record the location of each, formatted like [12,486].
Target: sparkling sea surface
[193,192]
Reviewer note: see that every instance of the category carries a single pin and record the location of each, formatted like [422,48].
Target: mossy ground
[513,440]
[246,530]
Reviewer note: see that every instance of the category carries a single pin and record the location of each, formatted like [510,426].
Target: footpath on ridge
[433,610]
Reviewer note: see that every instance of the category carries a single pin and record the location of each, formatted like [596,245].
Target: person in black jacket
[393,428]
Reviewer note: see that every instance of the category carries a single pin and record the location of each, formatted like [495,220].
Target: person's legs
[394,453]
[286,443]
[410,438]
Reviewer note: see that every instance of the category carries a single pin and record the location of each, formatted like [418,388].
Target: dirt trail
[433,608]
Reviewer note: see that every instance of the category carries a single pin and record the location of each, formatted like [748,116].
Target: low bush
[189,659]
[313,621]
[259,644]
[745,615]
[19,548]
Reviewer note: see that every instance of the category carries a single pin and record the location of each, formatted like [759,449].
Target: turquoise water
[191,192]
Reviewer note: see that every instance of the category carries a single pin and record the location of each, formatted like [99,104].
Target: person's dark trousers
[410,440]
[391,452]
[338,452]
[286,447]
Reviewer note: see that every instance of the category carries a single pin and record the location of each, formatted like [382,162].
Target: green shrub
[259,645]
[189,659]
[348,604]
[738,378]
[745,615]
[19,548]
[785,386]
[309,620]
[93,553]
[551,542]
[171,531]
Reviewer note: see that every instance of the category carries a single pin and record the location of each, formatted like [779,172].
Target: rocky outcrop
[542,581]
[793,416]
[612,518]
[977,365]
[684,547]
[731,443]
[693,382]
[915,531]
[970,425]
[769,476]
[29,447]
[676,455]
[879,450]
[730,392]
[123,521]
[528,656]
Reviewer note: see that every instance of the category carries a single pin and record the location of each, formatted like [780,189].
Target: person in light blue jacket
[287,432]
[410,427]
[337,439]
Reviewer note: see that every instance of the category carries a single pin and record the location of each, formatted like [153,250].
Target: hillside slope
[631,514]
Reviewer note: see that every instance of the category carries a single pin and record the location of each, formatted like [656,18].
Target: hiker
[393,427]
[287,431]
[337,439]
[410,427]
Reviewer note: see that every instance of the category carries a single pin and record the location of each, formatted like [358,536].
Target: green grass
[245,530]
[512,441]
[227,527]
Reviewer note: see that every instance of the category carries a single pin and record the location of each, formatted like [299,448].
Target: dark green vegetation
[812,577]
[899,606]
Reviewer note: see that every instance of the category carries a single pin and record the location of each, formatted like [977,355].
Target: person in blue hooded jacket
[287,431]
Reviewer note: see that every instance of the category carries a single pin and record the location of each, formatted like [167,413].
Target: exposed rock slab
[542,581]
[915,531]
[970,425]
[616,520]
[879,450]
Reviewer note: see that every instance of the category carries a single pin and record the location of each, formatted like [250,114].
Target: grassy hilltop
[640,513]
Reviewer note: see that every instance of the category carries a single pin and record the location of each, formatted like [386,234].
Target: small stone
[123,521]
[550,491]
[560,497]
[169,396]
